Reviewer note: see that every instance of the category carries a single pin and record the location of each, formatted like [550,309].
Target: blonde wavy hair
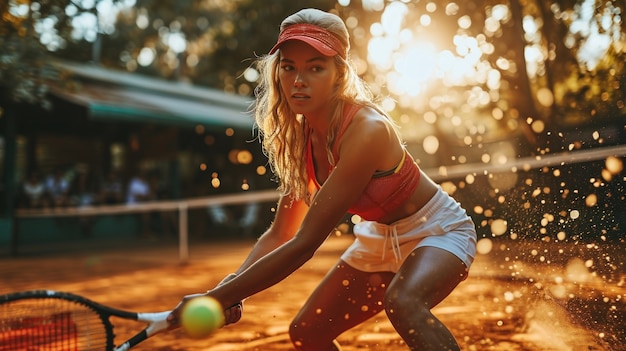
[281,131]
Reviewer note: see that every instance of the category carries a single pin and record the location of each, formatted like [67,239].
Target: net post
[183,236]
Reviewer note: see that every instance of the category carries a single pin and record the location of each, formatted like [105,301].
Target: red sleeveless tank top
[386,191]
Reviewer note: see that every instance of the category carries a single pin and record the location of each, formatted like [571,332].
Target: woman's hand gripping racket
[51,320]
[233,313]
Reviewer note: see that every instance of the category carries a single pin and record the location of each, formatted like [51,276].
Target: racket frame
[156,321]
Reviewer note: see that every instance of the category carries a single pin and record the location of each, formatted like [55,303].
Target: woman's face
[307,79]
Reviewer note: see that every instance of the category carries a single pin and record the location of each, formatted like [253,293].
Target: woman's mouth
[299,96]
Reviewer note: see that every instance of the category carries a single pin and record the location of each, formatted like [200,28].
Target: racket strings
[50,325]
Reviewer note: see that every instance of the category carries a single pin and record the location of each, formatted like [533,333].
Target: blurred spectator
[58,187]
[83,192]
[168,218]
[33,192]
[83,189]
[139,190]
[218,215]
[241,219]
[249,217]
[222,181]
[111,189]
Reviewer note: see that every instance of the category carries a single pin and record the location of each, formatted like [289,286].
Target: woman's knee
[400,303]
[312,335]
[304,335]
[299,332]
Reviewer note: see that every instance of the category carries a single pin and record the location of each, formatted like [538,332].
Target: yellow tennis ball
[201,316]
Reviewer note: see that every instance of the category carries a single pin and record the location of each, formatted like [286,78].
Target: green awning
[129,97]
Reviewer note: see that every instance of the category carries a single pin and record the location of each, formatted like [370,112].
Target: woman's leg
[427,276]
[345,298]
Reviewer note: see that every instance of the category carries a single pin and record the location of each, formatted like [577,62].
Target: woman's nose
[299,81]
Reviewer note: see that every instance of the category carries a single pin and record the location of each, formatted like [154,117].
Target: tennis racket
[60,321]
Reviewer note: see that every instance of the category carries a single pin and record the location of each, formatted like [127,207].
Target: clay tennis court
[511,300]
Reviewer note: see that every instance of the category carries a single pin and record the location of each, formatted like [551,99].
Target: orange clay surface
[517,297]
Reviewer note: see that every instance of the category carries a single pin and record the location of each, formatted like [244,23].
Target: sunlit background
[448,72]
[468,83]
[474,86]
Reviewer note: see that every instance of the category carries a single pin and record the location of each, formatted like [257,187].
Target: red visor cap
[319,38]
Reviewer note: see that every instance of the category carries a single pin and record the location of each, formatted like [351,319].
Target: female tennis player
[336,152]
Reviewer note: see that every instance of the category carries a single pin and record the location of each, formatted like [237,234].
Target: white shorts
[441,223]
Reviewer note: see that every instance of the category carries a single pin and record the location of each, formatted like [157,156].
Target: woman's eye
[287,68]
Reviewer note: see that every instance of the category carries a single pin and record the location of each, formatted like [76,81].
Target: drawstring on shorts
[392,233]
[441,223]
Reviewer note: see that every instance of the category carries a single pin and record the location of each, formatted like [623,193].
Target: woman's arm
[368,145]
[288,217]
[289,214]
[361,153]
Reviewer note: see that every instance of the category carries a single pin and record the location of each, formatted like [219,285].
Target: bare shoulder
[372,137]
[370,124]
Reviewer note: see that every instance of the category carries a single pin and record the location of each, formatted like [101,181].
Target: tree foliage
[540,49]
[23,58]
[557,65]
[221,37]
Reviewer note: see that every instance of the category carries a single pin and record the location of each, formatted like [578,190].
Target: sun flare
[412,60]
